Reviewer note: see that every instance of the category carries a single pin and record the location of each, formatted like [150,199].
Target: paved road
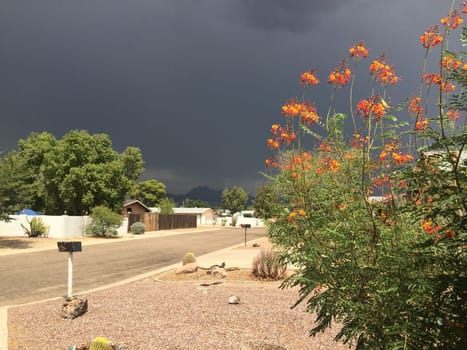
[35,276]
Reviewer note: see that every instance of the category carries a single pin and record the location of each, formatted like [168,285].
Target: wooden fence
[156,222]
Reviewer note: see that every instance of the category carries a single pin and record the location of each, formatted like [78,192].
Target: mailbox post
[69,247]
[245,226]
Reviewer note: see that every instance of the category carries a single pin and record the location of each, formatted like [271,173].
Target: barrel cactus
[189,258]
[100,343]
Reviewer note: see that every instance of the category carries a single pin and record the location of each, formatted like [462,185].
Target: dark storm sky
[195,85]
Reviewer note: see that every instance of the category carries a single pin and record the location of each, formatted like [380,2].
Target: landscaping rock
[74,307]
[218,273]
[188,268]
[234,300]
[260,346]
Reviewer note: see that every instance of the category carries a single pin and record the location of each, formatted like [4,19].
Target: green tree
[72,175]
[150,192]
[166,206]
[266,201]
[234,199]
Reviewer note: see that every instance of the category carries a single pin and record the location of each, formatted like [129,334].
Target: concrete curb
[4,310]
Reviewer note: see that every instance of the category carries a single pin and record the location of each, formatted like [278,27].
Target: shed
[134,207]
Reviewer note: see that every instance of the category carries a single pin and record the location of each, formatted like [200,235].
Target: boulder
[218,273]
[74,307]
[188,268]
[234,300]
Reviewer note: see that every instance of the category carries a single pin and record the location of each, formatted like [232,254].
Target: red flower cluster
[306,111]
[422,124]
[373,105]
[453,20]
[358,51]
[309,78]
[414,106]
[341,75]
[431,37]
[383,72]
[453,114]
[450,62]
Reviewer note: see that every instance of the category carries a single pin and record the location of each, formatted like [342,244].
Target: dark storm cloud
[291,15]
[194,84]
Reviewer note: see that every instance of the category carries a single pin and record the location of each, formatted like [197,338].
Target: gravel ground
[154,314]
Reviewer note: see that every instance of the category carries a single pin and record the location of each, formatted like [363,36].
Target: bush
[137,228]
[268,266]
[189,258]
[104,222]
[37,227]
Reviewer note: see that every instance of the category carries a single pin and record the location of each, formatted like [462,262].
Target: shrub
[104,222]
[137,228]
[189,258]
[267,265]
[37,227]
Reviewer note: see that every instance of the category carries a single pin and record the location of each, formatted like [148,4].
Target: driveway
[33,276]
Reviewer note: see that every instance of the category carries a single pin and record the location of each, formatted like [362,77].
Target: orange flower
[340,76]
[273,144]
[325,147]
[383,155]
[431,79]
[333,165]
[309,78]
[358,51]
[372,105]
[382,72]
[464,7]
[275,128]
[292,108]
[453,20]
[308,114]
[450,62]
[430,227]
[452,114]
[422,124]
[400,158]
[431,37]
[415,107]
[271,164]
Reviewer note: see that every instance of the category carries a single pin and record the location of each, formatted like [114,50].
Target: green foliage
[266,202]
[234,199]
[71,175]
[149,192]
[166,206]
[100,343]
[268,266]
[104,222]
[189,258]
[391,273]
[137,228]
[37,227]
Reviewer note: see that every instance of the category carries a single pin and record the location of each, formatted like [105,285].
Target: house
[204,216]
[134,207]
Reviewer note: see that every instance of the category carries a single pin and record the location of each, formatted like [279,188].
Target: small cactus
[189,258]
[100,343]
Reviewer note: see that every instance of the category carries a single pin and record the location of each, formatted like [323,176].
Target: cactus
[100,343]
[189,258]
[267,265]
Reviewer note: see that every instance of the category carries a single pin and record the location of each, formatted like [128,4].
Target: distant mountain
[203,193]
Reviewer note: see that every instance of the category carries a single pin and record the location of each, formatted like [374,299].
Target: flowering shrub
[376,222]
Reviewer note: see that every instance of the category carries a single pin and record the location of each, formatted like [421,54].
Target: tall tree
[150,192]
[73,174]
[235,199]
[266,201]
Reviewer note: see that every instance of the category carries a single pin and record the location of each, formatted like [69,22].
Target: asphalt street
[40,275]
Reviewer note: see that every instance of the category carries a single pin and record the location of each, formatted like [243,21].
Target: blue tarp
[28,211]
